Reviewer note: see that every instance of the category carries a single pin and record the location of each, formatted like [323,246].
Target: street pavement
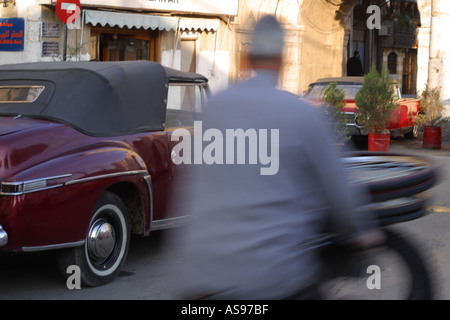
[429,235]
[149,268]
[432,232]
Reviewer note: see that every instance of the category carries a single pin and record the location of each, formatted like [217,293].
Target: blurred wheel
[400,210]
[390,176]
[402,274]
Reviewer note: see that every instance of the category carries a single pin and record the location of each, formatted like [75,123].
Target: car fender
[61,193]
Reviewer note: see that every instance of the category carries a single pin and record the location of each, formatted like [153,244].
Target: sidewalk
[402,145]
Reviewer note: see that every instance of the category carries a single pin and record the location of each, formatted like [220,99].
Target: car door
[184,106]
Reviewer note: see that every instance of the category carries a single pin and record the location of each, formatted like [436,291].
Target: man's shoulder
[260,97]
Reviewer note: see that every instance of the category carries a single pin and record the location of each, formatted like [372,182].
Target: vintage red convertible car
[85,157]
[401,121]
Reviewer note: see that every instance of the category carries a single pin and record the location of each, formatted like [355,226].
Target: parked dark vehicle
[85,157]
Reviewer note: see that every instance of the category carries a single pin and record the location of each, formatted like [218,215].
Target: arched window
[392,63]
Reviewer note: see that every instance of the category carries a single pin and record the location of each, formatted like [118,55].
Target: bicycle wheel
[399,210]
[402,275]
[390,176]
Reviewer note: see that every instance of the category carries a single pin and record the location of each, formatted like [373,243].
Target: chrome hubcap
[101,240]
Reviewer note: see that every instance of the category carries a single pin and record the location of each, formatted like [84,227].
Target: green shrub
[332,99]
[431,108]
[376,99]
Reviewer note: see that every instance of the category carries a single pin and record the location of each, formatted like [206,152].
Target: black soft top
[97,98]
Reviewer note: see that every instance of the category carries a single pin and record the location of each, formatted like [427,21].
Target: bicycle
[398,186]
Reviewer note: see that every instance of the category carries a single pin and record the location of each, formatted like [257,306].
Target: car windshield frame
[350,88]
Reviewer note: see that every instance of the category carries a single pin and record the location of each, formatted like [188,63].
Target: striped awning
[149,21]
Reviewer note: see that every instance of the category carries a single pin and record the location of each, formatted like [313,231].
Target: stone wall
[317,35]
[439,63]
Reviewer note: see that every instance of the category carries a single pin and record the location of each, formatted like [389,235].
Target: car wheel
[413,134]
[104,252]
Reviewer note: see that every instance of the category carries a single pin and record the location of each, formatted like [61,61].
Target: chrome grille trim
[106,176]
[29,186]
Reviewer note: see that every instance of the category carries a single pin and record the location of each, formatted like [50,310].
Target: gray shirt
[245,240]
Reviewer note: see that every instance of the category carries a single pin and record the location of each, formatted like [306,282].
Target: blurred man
[354,65]
[249,234]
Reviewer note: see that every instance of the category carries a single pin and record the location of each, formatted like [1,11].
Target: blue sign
[12,31]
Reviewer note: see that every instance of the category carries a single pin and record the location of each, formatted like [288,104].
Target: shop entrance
[114,44]
[410,72]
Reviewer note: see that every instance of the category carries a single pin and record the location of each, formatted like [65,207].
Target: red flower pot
[379,142]
[432,137]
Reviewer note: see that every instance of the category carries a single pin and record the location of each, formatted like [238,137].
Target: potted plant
[430,117]
[375,100]
[332,104]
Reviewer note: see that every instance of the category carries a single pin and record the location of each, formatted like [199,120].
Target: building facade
[212,37]
[179,34]
[411,39]
[316,38]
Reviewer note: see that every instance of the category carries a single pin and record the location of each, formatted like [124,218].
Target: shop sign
[12,32]
[212,7]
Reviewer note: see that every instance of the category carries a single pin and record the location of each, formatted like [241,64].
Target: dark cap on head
[267,38]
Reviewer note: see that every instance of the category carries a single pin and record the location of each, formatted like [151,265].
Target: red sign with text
[68,10]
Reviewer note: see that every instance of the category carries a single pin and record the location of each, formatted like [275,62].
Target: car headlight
[360,121]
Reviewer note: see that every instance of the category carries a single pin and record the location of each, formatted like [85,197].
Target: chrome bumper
[3,237]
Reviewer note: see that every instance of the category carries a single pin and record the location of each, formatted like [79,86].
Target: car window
[184,102]
[350,90]
[185,97]
[20,94]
